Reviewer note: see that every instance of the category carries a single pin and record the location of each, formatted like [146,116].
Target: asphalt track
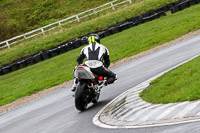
[56,113]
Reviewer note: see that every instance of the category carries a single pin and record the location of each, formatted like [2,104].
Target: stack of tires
[184,4]
[41,56]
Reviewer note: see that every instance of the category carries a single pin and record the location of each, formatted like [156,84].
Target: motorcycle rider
[96,51]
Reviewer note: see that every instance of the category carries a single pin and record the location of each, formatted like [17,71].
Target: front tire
[80,97]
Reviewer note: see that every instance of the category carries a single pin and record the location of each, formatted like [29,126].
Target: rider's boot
[74,85]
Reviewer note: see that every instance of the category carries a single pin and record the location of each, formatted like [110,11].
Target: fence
[75,18]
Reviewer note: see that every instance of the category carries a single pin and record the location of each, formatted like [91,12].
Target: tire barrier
[84,40]
[114,29]
[14,66]
[70,46]
[22,64]
[53,52]
[123,26]
[37,58]
[183,5]
[29,60]
[6,69]
[62,49]
[45,55]
[77,42]
[1,73]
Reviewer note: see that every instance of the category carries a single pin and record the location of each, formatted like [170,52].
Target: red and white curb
[128,110]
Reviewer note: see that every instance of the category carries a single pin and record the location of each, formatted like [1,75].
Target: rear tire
[80,97]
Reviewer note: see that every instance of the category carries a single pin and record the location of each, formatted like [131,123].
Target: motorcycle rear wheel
[80,97]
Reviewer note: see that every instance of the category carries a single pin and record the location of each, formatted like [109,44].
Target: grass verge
[57,37]
[127,43]
[176,86]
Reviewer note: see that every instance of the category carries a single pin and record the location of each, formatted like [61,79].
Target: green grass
[181,84]
[20,16]
[57,37]
[127,43]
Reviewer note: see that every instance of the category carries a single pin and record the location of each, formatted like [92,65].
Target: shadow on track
[100,104]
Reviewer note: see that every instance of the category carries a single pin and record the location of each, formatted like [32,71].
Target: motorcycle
[89,85]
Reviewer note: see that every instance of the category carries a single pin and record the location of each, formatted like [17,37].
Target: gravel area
[27,99]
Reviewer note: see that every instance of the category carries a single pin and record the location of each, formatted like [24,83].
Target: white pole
[94,12]
[24,36]
[130,1]
[112,6]
[42,31]
[77,18]
[60,25]
[7,44]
